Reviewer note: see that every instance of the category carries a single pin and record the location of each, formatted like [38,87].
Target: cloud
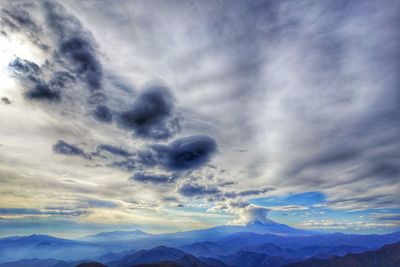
[152,156]
[61,80]
[73,56]
[386,217]
[148,117]
[189,152]
[102,113]
[254,214]
[182,154]
[343,225]
[42,91]
[74,44]
[15,18]
[62,147]
[25,68]
[246,213]
[82,56]
[114,150]
[254,192]
[22,212]
[31,75]
[196,190]
[154,178]
[308,96]
[126,165]
[99,203]
[6,100]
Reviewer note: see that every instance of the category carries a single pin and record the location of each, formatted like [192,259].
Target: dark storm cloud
[189,152]
[82,57]
[74,54]
[154,178]
[62,147]
[30,74]
[183,154]
[150,114]
[76,45]
[25,69]
[6,100]
[197,190]
[103,114]
[42,91]
[117,151]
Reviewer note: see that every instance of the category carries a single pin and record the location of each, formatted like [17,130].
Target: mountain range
[259,243]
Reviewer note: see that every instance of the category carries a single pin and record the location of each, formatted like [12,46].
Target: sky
[176,115]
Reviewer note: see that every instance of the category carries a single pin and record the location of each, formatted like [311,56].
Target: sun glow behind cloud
[13,47]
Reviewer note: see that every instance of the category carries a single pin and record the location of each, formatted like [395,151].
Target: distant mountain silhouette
[149,256]
[116,236]
[37,262]
[164,256]
[185,261]
[387,256]
[147,241]
[91,264]
[109,257]
[45,247]
[253,259]
[205,249]
[160,264]
[306,252]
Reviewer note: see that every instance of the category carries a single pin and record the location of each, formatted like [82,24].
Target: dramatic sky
[176,115]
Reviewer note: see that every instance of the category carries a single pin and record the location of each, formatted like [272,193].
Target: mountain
[191,261]
[260,226]
[164,256]
[252,259]
[34,246]
[295,247]
[185,261]
[266,226]
[116,236]
[306,252]
[91,264]
[109,257]
[387,256]
[238,241]
[149,256]
[206,243]
[37,262]
[204,249]
[141,240]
